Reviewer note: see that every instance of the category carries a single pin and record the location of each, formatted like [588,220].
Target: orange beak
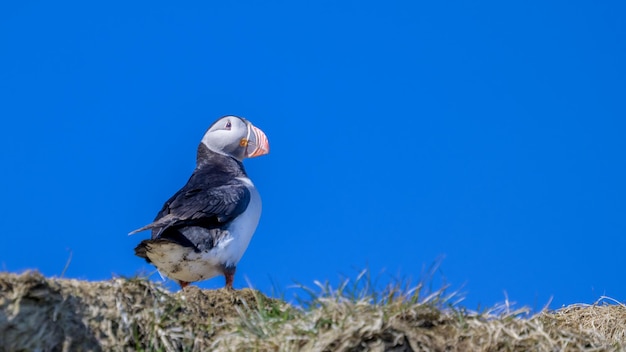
[257,143]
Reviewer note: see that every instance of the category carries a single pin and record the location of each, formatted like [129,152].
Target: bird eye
[228,125]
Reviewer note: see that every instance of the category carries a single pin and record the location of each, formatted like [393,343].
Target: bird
[203,230]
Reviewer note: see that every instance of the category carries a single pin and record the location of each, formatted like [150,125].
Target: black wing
[206,200]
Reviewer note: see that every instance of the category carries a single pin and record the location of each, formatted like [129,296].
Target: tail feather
[162,223]
[147,227]
[142,249]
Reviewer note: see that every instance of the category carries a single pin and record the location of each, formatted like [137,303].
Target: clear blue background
[490,134]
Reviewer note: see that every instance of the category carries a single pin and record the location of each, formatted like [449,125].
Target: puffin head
[236,137]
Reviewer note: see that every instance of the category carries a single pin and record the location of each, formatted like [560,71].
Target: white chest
[231,249]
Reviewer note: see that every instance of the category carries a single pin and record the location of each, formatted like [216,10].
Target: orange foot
[229,275]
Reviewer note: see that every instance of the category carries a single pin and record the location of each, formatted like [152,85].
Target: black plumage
[212,197]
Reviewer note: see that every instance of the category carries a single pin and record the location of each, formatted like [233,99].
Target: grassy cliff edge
[51,314]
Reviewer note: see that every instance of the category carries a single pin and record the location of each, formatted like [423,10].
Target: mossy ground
[49,314]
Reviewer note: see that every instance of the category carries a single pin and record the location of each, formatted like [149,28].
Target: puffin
[203,230]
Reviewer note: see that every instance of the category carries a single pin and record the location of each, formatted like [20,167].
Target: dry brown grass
[46,314]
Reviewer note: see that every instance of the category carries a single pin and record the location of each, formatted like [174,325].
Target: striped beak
[256,142]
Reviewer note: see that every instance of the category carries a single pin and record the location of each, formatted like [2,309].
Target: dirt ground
[49,314]
[37,313]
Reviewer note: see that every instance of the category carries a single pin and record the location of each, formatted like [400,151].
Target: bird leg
[229,275]
[183,284]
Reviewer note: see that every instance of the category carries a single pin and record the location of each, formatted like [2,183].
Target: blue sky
[489,134]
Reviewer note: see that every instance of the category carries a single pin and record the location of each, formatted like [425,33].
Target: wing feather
[204,201]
